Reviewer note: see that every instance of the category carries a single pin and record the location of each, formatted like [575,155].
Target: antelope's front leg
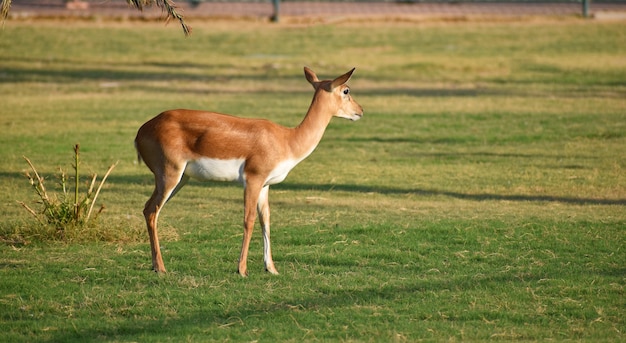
[263,208]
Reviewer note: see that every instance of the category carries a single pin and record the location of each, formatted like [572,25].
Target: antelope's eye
[346,91]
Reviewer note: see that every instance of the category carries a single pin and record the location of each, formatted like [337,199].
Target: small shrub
[69,211]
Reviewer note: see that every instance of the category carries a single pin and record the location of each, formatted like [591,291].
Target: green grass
[481,197]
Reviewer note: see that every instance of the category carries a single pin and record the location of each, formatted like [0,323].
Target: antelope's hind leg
[165,188]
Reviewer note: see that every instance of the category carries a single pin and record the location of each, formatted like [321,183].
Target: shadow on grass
[146,77]
[59,72]
[458,195]
[147,180]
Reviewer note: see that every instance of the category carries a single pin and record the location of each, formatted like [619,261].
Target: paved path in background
[321,10]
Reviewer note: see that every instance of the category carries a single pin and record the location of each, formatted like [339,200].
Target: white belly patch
[280,172]
[211,169]
[216,169]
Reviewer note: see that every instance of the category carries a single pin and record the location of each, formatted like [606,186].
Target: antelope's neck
[308,134]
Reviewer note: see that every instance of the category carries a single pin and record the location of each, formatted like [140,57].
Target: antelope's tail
[139,159]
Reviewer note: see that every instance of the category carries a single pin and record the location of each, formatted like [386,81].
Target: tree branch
[4,9]
[166,5]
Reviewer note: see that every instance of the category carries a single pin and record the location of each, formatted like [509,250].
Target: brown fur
[170,141]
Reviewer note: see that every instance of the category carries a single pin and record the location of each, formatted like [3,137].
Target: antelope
[179,144]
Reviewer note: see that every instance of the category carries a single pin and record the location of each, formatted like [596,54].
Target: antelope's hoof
[159,270]
[272,271]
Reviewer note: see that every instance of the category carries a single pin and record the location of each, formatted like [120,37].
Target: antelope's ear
[342,79]
[311,77]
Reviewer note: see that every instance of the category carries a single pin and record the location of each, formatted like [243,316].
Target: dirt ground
[319,11]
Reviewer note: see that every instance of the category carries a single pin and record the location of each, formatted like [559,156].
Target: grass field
[481,197]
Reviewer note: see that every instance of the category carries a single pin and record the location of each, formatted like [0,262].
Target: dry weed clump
[68,210]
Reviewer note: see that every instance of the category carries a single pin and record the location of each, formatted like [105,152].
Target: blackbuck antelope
[180,144]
